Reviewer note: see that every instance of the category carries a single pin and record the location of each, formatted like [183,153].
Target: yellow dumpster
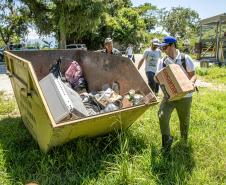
[27,68]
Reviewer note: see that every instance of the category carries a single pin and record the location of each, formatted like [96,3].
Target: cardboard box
[174,82]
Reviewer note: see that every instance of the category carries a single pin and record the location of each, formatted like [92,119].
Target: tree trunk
[62,42]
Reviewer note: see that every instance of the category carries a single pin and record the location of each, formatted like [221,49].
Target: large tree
[180,22]
[14,21]
[64,17]
[109,21]
[91,21]
[126,27]
[125,24]
[148,12]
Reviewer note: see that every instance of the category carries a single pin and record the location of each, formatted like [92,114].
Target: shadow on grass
[81,160]
[175,168]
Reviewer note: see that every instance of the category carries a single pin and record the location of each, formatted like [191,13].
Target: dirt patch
[218,87]
[5,85]
[212,86]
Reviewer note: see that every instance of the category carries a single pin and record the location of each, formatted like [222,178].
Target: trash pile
[68,97]
[109,99]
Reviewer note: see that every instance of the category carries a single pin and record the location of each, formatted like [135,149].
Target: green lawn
[213,74]
[132,157]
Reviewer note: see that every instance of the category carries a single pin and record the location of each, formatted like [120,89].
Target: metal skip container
[27,68]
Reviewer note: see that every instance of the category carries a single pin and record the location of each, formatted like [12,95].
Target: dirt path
[5,84]
[209,85]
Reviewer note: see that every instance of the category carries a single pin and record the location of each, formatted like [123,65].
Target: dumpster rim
[103,114]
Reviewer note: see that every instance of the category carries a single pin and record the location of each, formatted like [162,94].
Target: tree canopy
[180,22]
[148,12]
[14,21]
[91,21]
[65,17]
[88,20]
[124,23]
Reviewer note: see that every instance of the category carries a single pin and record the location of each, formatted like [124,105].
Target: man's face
[154,47]
[166,49]
[109,46]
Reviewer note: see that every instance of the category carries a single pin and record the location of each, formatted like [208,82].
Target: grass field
[213,74]
[131,157]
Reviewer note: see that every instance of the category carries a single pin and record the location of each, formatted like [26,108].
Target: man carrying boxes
[177,87]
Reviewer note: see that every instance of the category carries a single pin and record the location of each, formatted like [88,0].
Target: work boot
[166,143]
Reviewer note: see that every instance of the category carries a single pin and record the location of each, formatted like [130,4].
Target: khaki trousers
[182,107]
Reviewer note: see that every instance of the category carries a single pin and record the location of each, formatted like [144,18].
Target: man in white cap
[108,48]
[151,57]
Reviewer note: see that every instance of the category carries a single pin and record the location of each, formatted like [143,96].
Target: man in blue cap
[182,106]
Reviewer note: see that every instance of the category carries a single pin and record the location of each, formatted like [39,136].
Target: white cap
[155,41]
[107,40]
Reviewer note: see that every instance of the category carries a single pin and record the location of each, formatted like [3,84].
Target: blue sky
[205,8]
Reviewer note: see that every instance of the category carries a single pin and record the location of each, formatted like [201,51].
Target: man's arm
[158,68]
[140,63]
[119,53]
[116,52]
[190,69]
[192,76]
[126,51]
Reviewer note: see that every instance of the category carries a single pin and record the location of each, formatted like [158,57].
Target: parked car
[30,48]
[15,47]
[76,46]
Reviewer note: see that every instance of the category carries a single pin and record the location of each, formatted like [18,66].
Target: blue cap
[168,40]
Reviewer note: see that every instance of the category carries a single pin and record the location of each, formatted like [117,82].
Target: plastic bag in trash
[138,99]
[73,73]
[91,105]
[80,85]
[111,107]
